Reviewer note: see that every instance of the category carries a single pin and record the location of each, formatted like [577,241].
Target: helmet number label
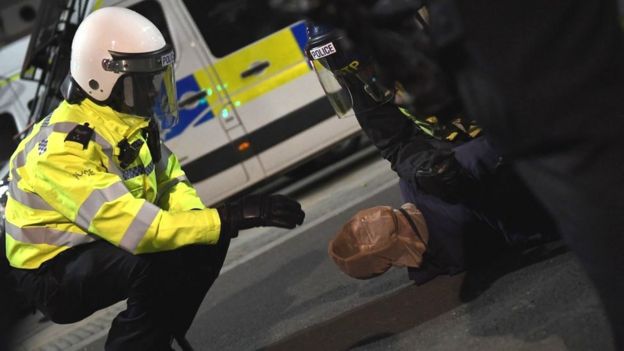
[167,59]
[321,51]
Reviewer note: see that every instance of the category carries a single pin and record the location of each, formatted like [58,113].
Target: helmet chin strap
[152,135]
[74,94]
[71,91]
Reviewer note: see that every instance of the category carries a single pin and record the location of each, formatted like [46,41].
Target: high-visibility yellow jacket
[64,193]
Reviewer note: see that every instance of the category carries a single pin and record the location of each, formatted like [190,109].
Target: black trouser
[7,299]
[502,210]
[163,290]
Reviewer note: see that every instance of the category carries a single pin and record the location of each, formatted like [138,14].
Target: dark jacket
[414,155]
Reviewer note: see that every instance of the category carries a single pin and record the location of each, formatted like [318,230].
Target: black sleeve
[398,139]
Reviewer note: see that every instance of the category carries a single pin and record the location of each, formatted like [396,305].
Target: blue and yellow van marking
[187,116]
[284,49]
[300,34]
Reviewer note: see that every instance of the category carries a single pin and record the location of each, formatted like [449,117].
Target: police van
[16,21]
[250,106]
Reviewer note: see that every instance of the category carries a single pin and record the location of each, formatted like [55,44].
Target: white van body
[14,97]
[253,107]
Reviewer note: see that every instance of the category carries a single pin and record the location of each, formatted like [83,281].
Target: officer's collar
[121,123]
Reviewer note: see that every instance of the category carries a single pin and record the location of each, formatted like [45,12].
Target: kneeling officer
[468,196]
[100,211]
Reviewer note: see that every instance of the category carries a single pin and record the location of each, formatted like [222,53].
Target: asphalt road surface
[279,290]
[293,298]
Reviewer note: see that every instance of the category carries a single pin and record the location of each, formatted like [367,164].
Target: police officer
[100,210]
[545,80]
[449,170]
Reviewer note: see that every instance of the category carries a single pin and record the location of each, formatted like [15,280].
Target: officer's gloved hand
[260,211]
[443,176]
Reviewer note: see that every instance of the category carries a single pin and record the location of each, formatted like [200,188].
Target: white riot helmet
[120,59]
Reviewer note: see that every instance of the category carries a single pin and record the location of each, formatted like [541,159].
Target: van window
[151,10]
[229,25]
[7,132]
[17,19]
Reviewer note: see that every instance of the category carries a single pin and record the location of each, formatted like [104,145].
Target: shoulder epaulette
[81,134]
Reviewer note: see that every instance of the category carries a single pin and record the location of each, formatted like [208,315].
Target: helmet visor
[341,71]
[338,94]
[147,88]
[151,95]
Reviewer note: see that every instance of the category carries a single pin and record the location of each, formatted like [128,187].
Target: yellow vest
[64,193]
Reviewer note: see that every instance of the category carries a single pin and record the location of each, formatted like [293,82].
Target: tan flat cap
[380,237]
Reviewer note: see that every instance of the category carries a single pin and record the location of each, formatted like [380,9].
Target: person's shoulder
[70,114]
[67,131]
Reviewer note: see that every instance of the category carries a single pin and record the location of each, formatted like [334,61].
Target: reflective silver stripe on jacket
[107,148]
[30,199]
[137,171]
[42,235]
[139,226]
[164,159]
[63,127]
[96,200]
[167,187]
[162,167]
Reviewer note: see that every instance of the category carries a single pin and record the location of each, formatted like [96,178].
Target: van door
[203,137]
[260,63]
[15,95]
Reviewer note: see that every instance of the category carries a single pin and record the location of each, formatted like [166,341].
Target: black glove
[260,211]
[444,177]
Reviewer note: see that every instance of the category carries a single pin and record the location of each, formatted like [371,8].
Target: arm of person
[75,183]
[398,139]
[415,156]
[175,192]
